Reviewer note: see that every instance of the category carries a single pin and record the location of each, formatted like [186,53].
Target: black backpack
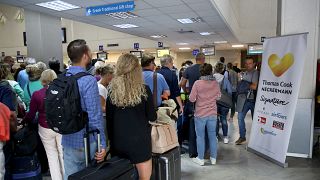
[63,105]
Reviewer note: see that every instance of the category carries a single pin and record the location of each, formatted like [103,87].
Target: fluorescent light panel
[190,20]
[220,42]
[205,33]
[122,15]
[158,36]
[125,26]
[237,45]
[184,48]
[182,44]
[58,5]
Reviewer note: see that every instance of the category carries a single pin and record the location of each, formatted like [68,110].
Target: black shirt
[192,73]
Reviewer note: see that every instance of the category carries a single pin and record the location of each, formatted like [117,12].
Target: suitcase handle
[86,141]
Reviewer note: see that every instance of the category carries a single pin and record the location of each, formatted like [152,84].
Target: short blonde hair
[33,72]
[48,76]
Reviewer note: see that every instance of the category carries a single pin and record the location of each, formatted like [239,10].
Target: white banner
[279,83]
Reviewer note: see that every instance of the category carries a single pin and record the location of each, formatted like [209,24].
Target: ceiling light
[122,15]
[182,44]
[125,26]
[220,42]
[205,33]
[237,45]
[184,48]
[190,20]
[57,5]
[158,36]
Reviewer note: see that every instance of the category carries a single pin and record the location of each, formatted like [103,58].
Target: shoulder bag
[163,134]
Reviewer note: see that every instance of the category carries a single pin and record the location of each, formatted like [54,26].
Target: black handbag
[25,141]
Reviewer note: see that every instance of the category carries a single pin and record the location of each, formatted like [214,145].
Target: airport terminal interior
[280,37]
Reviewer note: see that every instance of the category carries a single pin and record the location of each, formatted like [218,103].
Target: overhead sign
[262,39]
[3,54]
[195,52]
[160,44]
[110,8]
[18,53]
[101,48]
[279,83]
[136,46]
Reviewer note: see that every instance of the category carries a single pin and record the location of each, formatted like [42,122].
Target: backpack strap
[154,95]
[81,74]
[28,88]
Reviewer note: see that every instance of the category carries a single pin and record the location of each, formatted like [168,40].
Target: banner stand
[284,165]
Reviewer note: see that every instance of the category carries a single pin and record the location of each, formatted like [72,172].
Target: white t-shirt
[102,91]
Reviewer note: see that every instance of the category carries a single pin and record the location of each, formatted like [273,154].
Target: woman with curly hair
[129,109]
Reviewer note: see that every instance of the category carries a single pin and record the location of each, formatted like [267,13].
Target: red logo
[262,120]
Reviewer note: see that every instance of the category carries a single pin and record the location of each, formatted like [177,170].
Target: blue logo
[279,115]
[136,46]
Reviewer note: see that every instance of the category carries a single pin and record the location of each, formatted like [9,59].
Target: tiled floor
[236,163]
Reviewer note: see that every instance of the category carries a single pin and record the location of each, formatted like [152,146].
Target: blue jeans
[249,105]
[234,103]
[74,159]
[200,125]
[222,112]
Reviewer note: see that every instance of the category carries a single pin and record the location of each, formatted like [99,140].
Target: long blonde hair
[127,87]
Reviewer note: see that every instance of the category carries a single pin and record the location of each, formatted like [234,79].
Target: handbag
[163,137]
[4,123]
[226,99]
[25,141]
[163,134]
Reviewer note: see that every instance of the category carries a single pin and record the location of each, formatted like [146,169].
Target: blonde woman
[129,108]
[34,72]
[50,139]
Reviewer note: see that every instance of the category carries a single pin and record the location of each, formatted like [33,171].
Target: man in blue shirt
[73,146]
[148,66]
[23,77]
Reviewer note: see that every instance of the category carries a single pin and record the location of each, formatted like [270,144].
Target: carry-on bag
[26,167]
[167,166]
[115,168]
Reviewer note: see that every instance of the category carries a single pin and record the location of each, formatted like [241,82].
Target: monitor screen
[161,52]
[102,56]
[208,51]
[20,59]
[255,49]
[137,53]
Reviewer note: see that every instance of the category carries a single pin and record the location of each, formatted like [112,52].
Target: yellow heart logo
[279,66]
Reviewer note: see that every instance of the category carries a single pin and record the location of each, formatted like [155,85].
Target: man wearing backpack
[73,146]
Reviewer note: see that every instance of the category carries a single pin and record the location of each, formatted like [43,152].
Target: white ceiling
[155,17]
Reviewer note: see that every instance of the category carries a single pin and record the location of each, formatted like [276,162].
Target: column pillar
[44,36]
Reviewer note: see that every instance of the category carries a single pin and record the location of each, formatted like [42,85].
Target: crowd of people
[119,103]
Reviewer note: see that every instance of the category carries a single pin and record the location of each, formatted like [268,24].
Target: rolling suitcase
[167,166]
[26,168]
[114,168]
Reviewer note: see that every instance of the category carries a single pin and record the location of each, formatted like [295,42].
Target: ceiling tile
[141,5]
[205,6]
[175,9]
[148,12]
[163,3]
[14,3]
[183,15]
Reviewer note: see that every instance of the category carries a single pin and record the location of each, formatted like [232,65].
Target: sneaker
[226,140]
[198,161]
[240,141]
[213,161]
